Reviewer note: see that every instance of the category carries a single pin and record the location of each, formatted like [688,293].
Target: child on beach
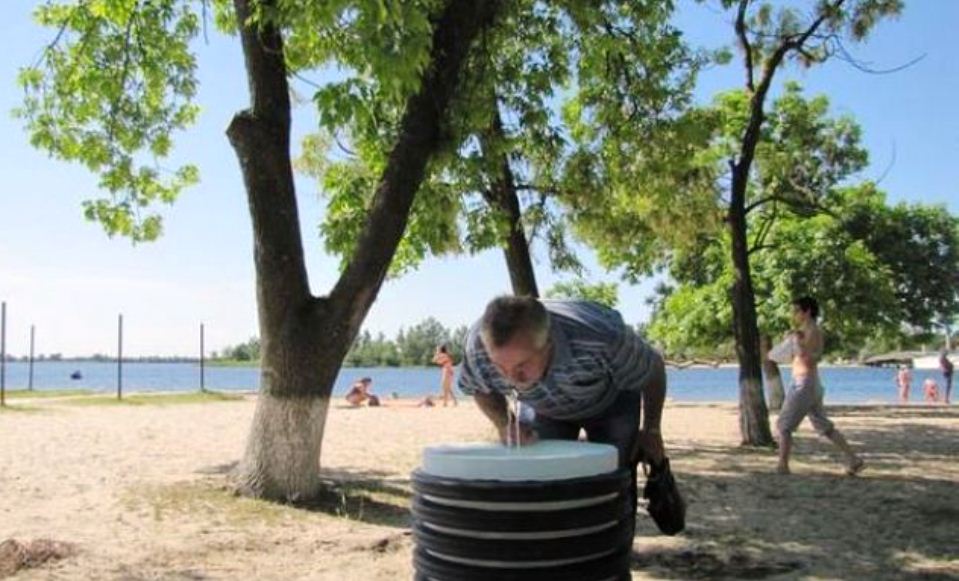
[931,389]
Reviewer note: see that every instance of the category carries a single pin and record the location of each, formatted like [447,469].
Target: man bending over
[578,366]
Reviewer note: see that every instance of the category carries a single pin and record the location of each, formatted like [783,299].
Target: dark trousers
[617,425]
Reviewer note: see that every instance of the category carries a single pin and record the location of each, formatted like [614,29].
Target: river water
[843,384]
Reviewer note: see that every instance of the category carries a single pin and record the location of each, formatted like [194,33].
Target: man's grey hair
[509,316]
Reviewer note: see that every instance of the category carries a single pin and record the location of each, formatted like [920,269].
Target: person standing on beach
[443,358]
[904,382]
[947,368]
[805,396]
[577,366]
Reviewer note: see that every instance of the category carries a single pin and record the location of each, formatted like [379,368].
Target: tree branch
[124,71]
[538,189]
[811,204]
[758,98]
[798,43]
[844,55]
[343,147]
[762,201]
[261,137]
[60,32]
[765,228]
[742,34]
[759,247]
[420,136]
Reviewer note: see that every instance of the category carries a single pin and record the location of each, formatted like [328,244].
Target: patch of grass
[98,400]
[214,501]
[135,399]
[44,393]
[13,409]
[367,502]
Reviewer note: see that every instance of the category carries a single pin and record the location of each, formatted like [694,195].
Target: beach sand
[141,493]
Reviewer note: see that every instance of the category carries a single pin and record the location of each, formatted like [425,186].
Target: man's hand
[649,447]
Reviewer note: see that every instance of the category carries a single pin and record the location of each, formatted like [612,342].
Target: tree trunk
[502,197]
[304,338]
[774,378]
[753,415]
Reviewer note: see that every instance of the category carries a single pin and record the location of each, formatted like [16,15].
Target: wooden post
[3,354]
[202,377]
[30,375]
[120,357]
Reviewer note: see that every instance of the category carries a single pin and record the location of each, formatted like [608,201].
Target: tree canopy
[604,293]
[509,119]
[108,92]
[676,171]
[119,78]
[874,284]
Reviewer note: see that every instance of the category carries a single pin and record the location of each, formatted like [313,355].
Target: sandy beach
[141,492]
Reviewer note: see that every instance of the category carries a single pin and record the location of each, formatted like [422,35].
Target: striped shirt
[595,356]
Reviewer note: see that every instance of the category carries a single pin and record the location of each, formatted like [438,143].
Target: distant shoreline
[256,364]
[147,359]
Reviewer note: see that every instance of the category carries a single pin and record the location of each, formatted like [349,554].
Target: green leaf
[109,94]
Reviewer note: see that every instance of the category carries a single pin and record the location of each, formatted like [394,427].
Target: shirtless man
[806,393]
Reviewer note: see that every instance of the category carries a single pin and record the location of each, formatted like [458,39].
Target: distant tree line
[103,358]
[249,350]
[415,346]
[411,347]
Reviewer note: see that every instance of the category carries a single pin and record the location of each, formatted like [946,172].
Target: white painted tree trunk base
[282,458]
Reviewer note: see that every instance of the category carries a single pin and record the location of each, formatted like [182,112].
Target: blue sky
[65,276]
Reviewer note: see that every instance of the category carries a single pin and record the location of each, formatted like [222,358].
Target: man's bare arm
[654,396]
[649,442]
[493,405]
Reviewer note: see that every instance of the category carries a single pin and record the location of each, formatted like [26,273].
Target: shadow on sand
[746,522]
[367,496]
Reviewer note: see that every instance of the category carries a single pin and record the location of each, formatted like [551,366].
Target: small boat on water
[76,375]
